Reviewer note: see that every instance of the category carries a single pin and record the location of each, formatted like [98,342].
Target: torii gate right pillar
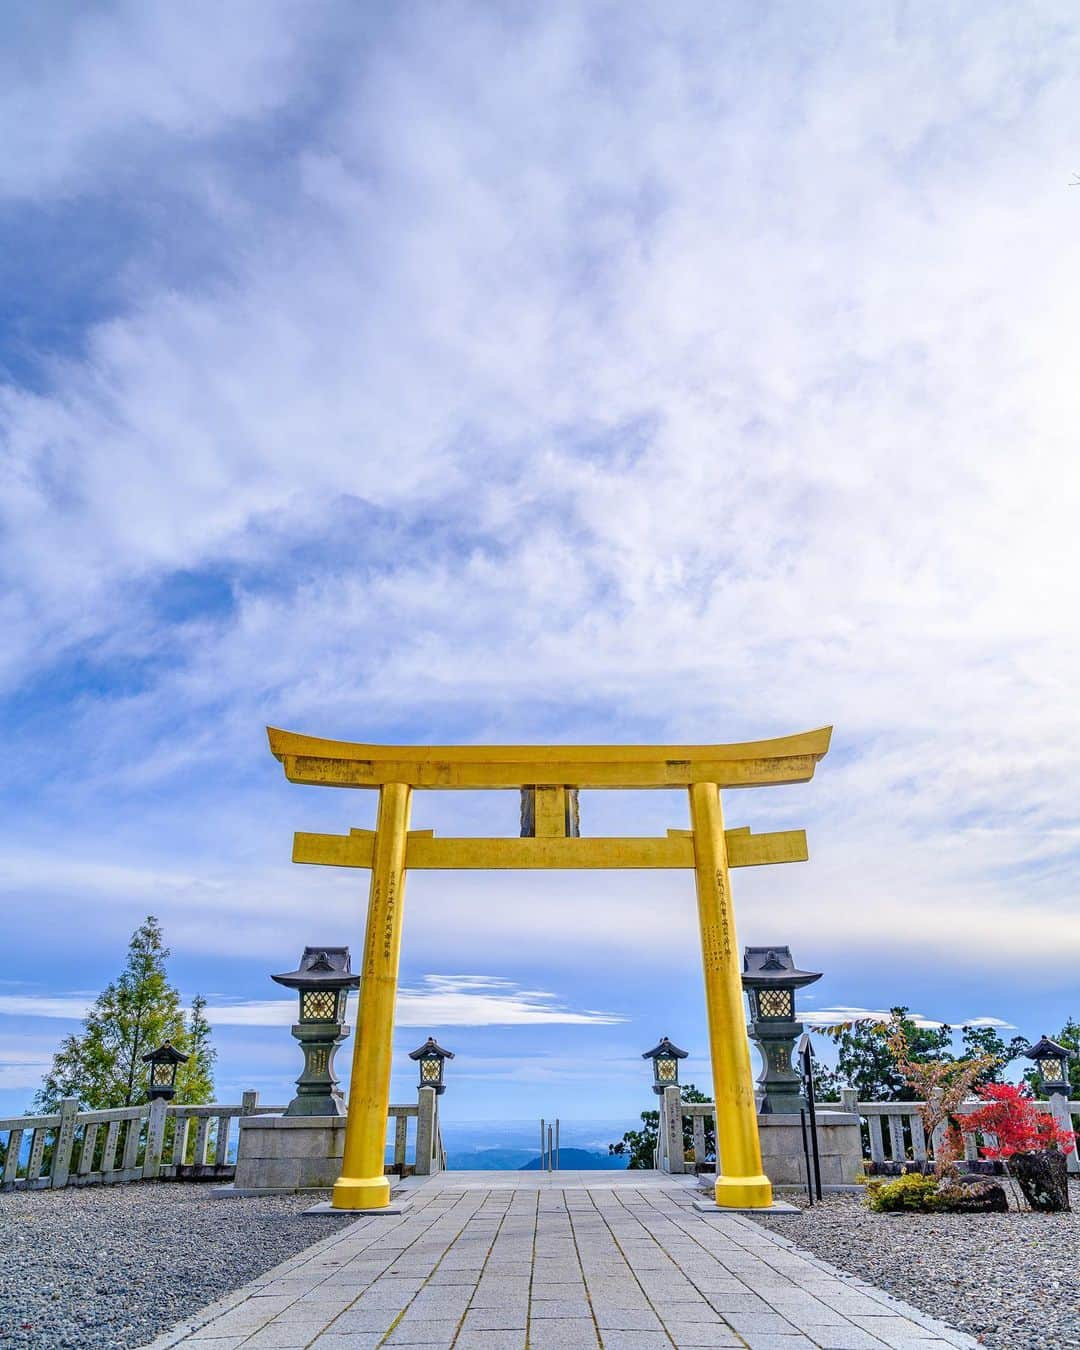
[739,1178]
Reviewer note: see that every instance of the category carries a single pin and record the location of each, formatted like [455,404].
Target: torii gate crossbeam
[706,847]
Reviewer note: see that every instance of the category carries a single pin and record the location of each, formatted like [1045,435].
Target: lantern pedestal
[284,1154]
[839,1145]
[317,1092]
[779,1084]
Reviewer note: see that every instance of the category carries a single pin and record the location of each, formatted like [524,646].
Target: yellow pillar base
[743,1192]
[361,1193]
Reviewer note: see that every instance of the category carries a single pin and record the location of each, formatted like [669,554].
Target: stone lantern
[432,1057]
[770,978]
[665,1057]
[1052,1063]
[164,1061]
[323,980]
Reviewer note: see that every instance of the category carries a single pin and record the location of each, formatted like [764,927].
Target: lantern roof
[1045,1048]
[665,1049]
[773,967]
[166,1053]
[430,1050]
[321,968]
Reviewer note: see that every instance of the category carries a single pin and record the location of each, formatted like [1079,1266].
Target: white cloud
[672,408]
[824,1017]
[439,1000]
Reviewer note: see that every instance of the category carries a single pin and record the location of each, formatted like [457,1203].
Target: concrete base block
[281,1154]
[839,1147]
[325,1207]
[777,1207]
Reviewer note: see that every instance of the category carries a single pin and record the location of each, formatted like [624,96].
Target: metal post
[742,1183]
[806,1155]
[806,1055]
[556,1143]
[363,1184]
[549,1166]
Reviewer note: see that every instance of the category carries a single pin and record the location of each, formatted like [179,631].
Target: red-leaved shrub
[1010,1114]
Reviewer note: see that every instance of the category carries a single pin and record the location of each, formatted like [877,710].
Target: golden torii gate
[707,848]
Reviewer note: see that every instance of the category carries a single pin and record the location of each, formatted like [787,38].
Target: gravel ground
[116,1265]
[1010,1280]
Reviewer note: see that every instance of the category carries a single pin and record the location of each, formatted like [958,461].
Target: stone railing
[891,1132]
[895,1133]
[160,1141]
[128,1143]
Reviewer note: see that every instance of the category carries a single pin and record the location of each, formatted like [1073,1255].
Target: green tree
[103,1065]
[866,1062]
[980,1042]
[195,1079]
[640,1145]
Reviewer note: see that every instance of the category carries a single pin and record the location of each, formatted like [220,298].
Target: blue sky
[563,373]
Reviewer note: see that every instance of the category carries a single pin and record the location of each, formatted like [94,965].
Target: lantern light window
[318,1005]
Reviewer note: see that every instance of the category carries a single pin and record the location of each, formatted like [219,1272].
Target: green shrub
[913,1191]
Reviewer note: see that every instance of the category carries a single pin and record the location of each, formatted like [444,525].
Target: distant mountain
[528,1160]
[489,1159]
[581,1160]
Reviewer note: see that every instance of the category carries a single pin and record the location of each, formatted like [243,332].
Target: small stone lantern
[665,1057]
[432,1057]
[323,980]
[1052,1062]
[770,979]
[164,1061]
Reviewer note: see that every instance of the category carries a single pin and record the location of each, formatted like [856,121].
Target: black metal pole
[806,1156]
[806,1054]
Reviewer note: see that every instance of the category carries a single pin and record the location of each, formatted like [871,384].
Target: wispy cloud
[439,1000]
[823,1017]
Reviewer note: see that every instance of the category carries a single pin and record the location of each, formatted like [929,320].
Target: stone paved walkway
[493,1261]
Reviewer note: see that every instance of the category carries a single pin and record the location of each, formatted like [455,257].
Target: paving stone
[744,1302]
[703,1334]
[423,1331]
[770,1341]
[504,1318]
[365,1319]
[447,1275]
[636,1340]
[759,1324]
[562,1333]
[844,1337]
[292,1337]
[490,1340]
[214,1342]
[496,1296]
[559,1307]
[359,1340]
[686,1312]
[625,1319]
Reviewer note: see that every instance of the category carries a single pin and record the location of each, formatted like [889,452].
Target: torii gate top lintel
[311,759]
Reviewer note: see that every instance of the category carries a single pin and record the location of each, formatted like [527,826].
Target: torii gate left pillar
[706,847]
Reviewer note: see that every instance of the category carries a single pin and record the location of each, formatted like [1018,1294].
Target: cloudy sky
[577,372]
